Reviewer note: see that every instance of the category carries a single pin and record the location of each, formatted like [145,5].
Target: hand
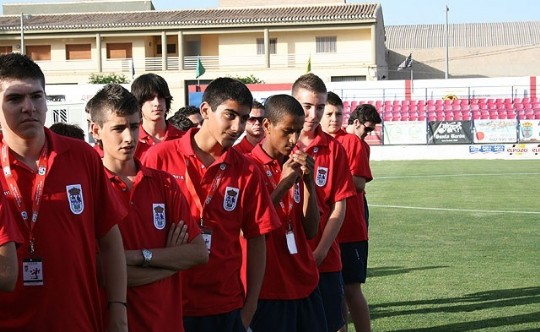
[178,235]
[306,162]
[247,313]
[319,256]
[290,172]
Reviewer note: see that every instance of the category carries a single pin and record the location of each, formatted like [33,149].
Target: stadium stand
[450,110]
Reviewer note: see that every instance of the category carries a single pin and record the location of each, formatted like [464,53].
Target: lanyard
[286,208]
[213,188]
[37,189]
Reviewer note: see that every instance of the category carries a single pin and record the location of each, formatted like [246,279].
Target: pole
[23,51]
[446,42]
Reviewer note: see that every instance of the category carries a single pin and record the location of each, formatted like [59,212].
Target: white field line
[455,210]
[450,175]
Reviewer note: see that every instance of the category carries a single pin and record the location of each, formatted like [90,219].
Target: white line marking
[451,175]
[456,210]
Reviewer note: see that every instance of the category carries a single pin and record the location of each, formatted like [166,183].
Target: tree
[108,78]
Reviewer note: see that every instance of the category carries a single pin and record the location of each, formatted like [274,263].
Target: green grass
[454,246]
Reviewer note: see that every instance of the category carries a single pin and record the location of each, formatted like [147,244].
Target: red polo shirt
[354,228]
[146,141]
[155,202]
[333,182]
[287,276]
[78,205]
[240,202]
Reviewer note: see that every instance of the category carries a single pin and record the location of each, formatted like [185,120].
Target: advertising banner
[449,132]
[405,132]
[495,131]
[529,131]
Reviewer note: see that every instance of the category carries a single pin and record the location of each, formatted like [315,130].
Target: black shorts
[331,288]
[230,321]
[305,314]
[354,260]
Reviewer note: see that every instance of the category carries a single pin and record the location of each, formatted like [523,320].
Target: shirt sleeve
[9,232]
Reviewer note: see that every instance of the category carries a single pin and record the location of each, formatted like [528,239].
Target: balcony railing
[152,64]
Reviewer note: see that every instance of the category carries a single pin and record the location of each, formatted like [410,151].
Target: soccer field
[454,245]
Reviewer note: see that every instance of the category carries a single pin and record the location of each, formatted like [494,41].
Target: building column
[266,48]
[374,53]
[163,51]
[180,50]
[99,65]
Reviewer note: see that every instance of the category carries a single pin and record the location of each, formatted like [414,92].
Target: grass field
[454,246]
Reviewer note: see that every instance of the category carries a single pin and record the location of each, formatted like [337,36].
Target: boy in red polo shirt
[290,283]
[353,237]
[66,208]
[226,193]
[9,237]
[152,92]
[334,185]
[160,237]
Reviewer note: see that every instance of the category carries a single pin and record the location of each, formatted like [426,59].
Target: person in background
[66,210]
[152,92]
[254,132]
[289,287]
[334,185]
[353,236]
[68,130]
[362,121]
[160,236]
[226,193]
[186,117]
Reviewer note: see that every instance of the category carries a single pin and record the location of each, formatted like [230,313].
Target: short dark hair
[180,118]
[309,82]
[112,98]
[257,105]
[145,86]
[67,129]
[19,66]
[365,113]
[334,100]
[225,88]
[278,106]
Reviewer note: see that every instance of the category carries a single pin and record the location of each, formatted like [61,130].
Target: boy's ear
[94,130]
[205,108]
[266,125]
[356,123]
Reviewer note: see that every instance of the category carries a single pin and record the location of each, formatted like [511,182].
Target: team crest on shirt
[231,198]
[159,215]
[75,198]
[296,195]
[322,176]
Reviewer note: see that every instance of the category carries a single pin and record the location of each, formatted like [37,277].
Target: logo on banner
[159,215]
[231,198]
[75,198]
[322,176]
[296,195]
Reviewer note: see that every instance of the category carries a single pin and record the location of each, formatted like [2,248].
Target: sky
[403,12]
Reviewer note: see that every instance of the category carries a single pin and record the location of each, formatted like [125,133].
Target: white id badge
[207,238]
[291,243]
[32,272]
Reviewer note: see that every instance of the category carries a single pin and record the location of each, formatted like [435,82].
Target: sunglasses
[253,119]
[368,129]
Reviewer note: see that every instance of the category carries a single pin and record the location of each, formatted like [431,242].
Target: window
[119,51]
[326,44]
[171,49]
[5,50]
[347,78]
[60,115]
[39,52]
[260,46]
[78,52]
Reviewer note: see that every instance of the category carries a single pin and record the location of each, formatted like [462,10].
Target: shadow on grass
[471,302]
[392,270]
